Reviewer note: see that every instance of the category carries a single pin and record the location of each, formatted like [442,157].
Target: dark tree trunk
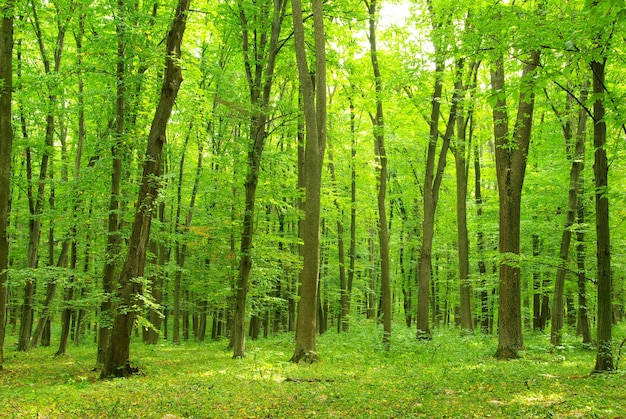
[432,182]
[36,204]
[6,153]
[510,170]
[481,245]
[381,178]
[314,106]
[581,254]
[604,358]
[259,62]
[578,160]
[114,238]
[117,361]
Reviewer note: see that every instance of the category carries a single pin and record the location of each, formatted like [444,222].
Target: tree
[37,201]
[314,107]
[433,176]
[378,123]
[116,362]
[6,153]
[511,157]
[114,238]
[604,357]
[259,62]
[575,186]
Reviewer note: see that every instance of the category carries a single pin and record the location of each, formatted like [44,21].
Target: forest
[229,175]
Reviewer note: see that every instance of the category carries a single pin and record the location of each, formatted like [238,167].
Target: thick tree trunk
[314,105]
[117,362]
[510,170]
[6,153]
[604,358]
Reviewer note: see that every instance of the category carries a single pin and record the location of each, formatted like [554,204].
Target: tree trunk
[114,239]
[314,105]
[432,182]
[259,62]
[36,204]
[117,362]
[604,358]
[381,178]
[578,162]
[581,254]
[461,165]
[341,254]
[6,155]
[510,171]
[481,245]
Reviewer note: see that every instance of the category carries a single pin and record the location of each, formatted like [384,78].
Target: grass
[450,376]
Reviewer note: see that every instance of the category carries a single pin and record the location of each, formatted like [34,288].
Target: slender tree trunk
[341,253]
[432,182]
[314,105]
[6,156]
[259,62]
[578,162]
[461,165]
[151,336]
[117,361]
[604,358]
[581,254]
[481,245]
[381,177]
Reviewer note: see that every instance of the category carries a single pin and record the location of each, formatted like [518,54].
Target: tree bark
[432,182]
[314,105]
[578,162]
[510,171]
[117,362]
[581,254]
[6,155]
[114,239]
[36,204]
[378,123]
[259,62]
[604,357]
[461,165]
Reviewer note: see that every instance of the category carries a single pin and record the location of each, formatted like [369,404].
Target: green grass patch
[450,376]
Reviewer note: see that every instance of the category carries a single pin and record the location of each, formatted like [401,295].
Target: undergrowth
[450,376]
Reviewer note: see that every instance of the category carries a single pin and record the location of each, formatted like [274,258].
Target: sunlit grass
[450,376]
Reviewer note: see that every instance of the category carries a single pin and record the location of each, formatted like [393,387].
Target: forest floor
[450,376]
